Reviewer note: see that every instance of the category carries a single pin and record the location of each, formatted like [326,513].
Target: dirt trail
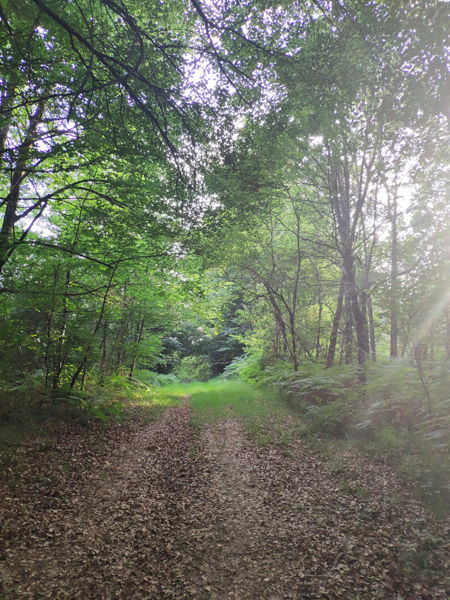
[171,515]
[236,507]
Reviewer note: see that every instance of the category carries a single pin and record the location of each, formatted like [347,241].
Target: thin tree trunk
[319,319]
[18,175]
[373,350]
[357,310]
[49,360]
[394,277]
[341,350]
[83,364]
[405,345]
[319,326]
[60,357]
[83,375]
[335,326]
[104,351]
[361,330]
[432,346]
[294,356]
[447,331]
[417,354]
[140,330]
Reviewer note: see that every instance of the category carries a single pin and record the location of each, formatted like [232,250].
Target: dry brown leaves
[155,513]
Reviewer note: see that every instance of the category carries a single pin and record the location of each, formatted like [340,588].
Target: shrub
[247,367]
[151,378]
[194,368]
[330,419]
[310,385]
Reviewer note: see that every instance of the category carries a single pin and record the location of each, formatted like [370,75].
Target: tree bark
[18,176]
[335,326]
[348,333]
[319,327]
[351,292]
[394,277]
[6,109]
[140,330]
[447,331]
[373,350]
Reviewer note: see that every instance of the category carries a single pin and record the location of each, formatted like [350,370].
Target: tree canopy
[291,154]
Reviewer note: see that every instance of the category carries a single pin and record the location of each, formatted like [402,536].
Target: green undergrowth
[263,414]
[26,411]
[395,415]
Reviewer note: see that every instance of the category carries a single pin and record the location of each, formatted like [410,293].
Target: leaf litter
[154,511]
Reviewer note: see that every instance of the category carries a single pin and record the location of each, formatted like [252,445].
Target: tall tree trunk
[282,326]
[351,291]
[361,329]
[348,332]
[347,202]
[126,319]
[432,346]
[6,109]
[104,354]
[18,175]
[49,359]
[394,276]
[335,326]
[319,326]
[140,330]
[319,317]
[294,355]
[364,313]
[447,331]
[405,345]
[373,350]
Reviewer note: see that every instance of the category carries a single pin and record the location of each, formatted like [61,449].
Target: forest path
[171,513]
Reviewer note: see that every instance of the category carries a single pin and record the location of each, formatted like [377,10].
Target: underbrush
[194,368]
[150,378]
[23,412]
[26,410]
[395,415]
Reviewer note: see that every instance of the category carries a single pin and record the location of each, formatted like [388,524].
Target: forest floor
[176,510]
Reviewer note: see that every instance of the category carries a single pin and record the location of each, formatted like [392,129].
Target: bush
[386,440]
[151,378]
[194,368]
[330,419]
[311,385]
[28,412]
[98,402]
[246,367]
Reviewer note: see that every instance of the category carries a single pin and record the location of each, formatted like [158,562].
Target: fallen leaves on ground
[158,511]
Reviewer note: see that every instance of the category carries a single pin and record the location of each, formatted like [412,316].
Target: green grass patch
[263,414]
[219,399]
[174,393]
[158,400]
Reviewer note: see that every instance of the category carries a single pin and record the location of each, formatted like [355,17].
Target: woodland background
[256,189]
